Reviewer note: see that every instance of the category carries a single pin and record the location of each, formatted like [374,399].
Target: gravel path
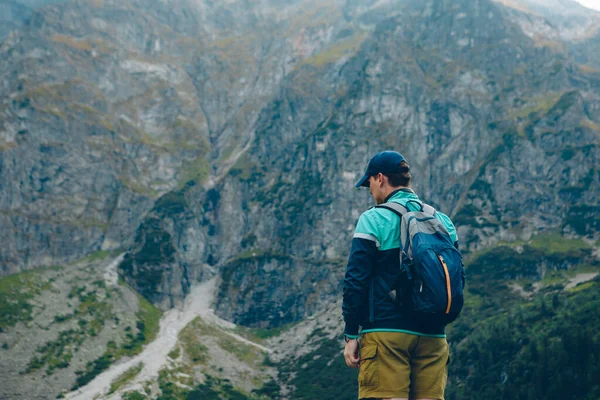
[111,276]
[154,355]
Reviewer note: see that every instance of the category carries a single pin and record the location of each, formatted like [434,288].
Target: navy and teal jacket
[374,266]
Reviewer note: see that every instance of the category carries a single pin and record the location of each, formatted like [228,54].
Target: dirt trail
[154,356]
[111,276]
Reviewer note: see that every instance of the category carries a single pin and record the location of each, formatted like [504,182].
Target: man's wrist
[348,338]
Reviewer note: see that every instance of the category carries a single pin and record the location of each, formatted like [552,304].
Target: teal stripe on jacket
[383,225]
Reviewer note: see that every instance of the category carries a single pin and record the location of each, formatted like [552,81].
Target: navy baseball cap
[386,162]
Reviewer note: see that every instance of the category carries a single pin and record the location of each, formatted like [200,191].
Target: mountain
[219,142]
[559,23]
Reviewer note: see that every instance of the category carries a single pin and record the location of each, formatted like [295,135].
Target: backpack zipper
[448,289]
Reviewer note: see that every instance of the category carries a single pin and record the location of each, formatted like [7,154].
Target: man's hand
[351,353]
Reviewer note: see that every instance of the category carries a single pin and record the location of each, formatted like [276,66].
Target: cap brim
[364,181]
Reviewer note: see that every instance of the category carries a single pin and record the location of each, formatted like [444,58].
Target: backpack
[433,267]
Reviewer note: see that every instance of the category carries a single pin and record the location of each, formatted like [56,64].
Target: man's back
[401,356]
[377,236]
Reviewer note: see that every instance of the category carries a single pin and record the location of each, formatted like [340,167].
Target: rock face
[225,137]
[16,13]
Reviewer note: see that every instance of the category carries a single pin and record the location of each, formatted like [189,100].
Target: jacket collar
[402,192]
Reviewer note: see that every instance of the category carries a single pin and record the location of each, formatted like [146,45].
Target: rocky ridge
[125,135]
[438,91]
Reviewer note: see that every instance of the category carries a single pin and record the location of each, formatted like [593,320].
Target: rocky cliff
[501,133]
[229,137]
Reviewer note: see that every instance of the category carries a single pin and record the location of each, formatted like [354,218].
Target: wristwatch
[349,338]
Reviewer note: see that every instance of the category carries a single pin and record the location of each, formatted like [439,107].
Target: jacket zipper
[371,301]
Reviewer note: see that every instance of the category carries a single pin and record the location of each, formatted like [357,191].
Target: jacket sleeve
[447,222]
[355,304]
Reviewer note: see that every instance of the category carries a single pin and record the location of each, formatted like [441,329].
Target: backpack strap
[427,209]
[396,208]
[400,210]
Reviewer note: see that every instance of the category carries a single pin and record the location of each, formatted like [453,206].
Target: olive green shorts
[401,365]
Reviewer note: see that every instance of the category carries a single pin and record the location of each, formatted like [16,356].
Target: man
[400,358]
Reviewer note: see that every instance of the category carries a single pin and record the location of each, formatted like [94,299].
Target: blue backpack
[433,266]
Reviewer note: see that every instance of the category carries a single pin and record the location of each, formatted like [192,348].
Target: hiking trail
[154,355]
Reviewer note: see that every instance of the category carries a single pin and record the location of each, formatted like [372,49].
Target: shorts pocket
[368,375]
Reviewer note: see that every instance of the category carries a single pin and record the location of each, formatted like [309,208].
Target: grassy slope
[147,326]
[77,308]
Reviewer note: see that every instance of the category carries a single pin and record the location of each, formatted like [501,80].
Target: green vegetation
[125,378]
[90,311]
[148,319]
[175,353]
[581,287]
[91,314]
[137,187]
[257,335]
[492,270]
[335,52]
[550,243]
[244,352]
[147,326]
[203,391]
[57,353]
[96,367]
[7,145]
[320,374]
[135,395]
[590,125]
[72,42]
[212,388]
[192,334]
[502,335]
[157,250]
[538,106]
[168,381]
[270,390]
[16,291]
[532,351]
[192,345]
[177,384]
[98,255]
[196,170]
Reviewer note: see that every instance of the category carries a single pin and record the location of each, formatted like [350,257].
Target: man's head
[386,172]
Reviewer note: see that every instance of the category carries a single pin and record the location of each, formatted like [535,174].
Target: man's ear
[381,179]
